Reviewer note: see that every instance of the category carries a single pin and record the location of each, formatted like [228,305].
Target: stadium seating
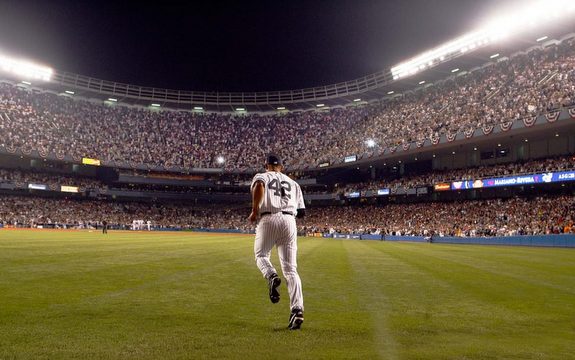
[56,212]
[525,85]
[516,216]
[53,181]
[438,176]
[542,214]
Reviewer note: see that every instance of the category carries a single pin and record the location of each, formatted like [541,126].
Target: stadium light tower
[25,68]
[531,15]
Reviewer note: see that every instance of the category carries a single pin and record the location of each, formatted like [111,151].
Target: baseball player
[278,200]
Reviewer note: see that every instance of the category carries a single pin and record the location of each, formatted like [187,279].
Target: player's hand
[253,217]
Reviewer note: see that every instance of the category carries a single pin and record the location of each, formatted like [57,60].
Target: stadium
[439,196]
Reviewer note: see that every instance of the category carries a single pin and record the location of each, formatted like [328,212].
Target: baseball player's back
[278,200]
[282,193]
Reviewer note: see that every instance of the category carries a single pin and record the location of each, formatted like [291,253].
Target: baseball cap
[274,159]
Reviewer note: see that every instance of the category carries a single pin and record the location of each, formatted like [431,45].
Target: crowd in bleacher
[51,180]
[500,217]
[240,183]
[72,213]
[431,178]
[525,85]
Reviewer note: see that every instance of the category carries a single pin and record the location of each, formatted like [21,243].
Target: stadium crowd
[501,217]
[51,212]
[562,163]
[525,85]
[53,181]
[240,183]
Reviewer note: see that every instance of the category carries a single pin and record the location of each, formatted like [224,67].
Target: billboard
[37,187]
[350,158]
[543,178]
[69,189]
[88,161]
[381,192]
[442,187]
[354,194]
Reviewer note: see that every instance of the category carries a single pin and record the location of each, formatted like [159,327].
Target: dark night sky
[231,45]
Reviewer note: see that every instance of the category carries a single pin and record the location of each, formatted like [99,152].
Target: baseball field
[83,295]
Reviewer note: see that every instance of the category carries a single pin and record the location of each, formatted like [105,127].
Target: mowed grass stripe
[337,325]
[50,265]
[148,301]
[547,267]
[108,271]
[483,314]
[122,247]
[368,267]
[222,311]
[411,323]
[200,296]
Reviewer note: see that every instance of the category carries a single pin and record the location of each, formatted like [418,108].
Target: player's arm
[300,203]
[257,197]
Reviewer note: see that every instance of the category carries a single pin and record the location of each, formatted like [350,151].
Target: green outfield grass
[83,295]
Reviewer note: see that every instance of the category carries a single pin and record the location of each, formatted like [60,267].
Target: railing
[110,88]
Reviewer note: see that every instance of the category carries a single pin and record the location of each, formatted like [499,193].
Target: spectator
[526,85]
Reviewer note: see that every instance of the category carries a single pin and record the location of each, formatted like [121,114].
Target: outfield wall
[562,240]
[525,240]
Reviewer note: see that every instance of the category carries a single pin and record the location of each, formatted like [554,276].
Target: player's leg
[263,247]
[265,240]
[287,251]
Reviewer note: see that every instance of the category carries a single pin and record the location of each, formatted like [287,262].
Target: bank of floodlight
[25,69]
[499,28]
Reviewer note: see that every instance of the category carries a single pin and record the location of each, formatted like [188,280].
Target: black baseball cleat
[274,282]
[295,319]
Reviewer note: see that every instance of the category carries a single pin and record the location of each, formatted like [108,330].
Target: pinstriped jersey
[281,193]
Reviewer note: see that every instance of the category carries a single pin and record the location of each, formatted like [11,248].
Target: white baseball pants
[279,230]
